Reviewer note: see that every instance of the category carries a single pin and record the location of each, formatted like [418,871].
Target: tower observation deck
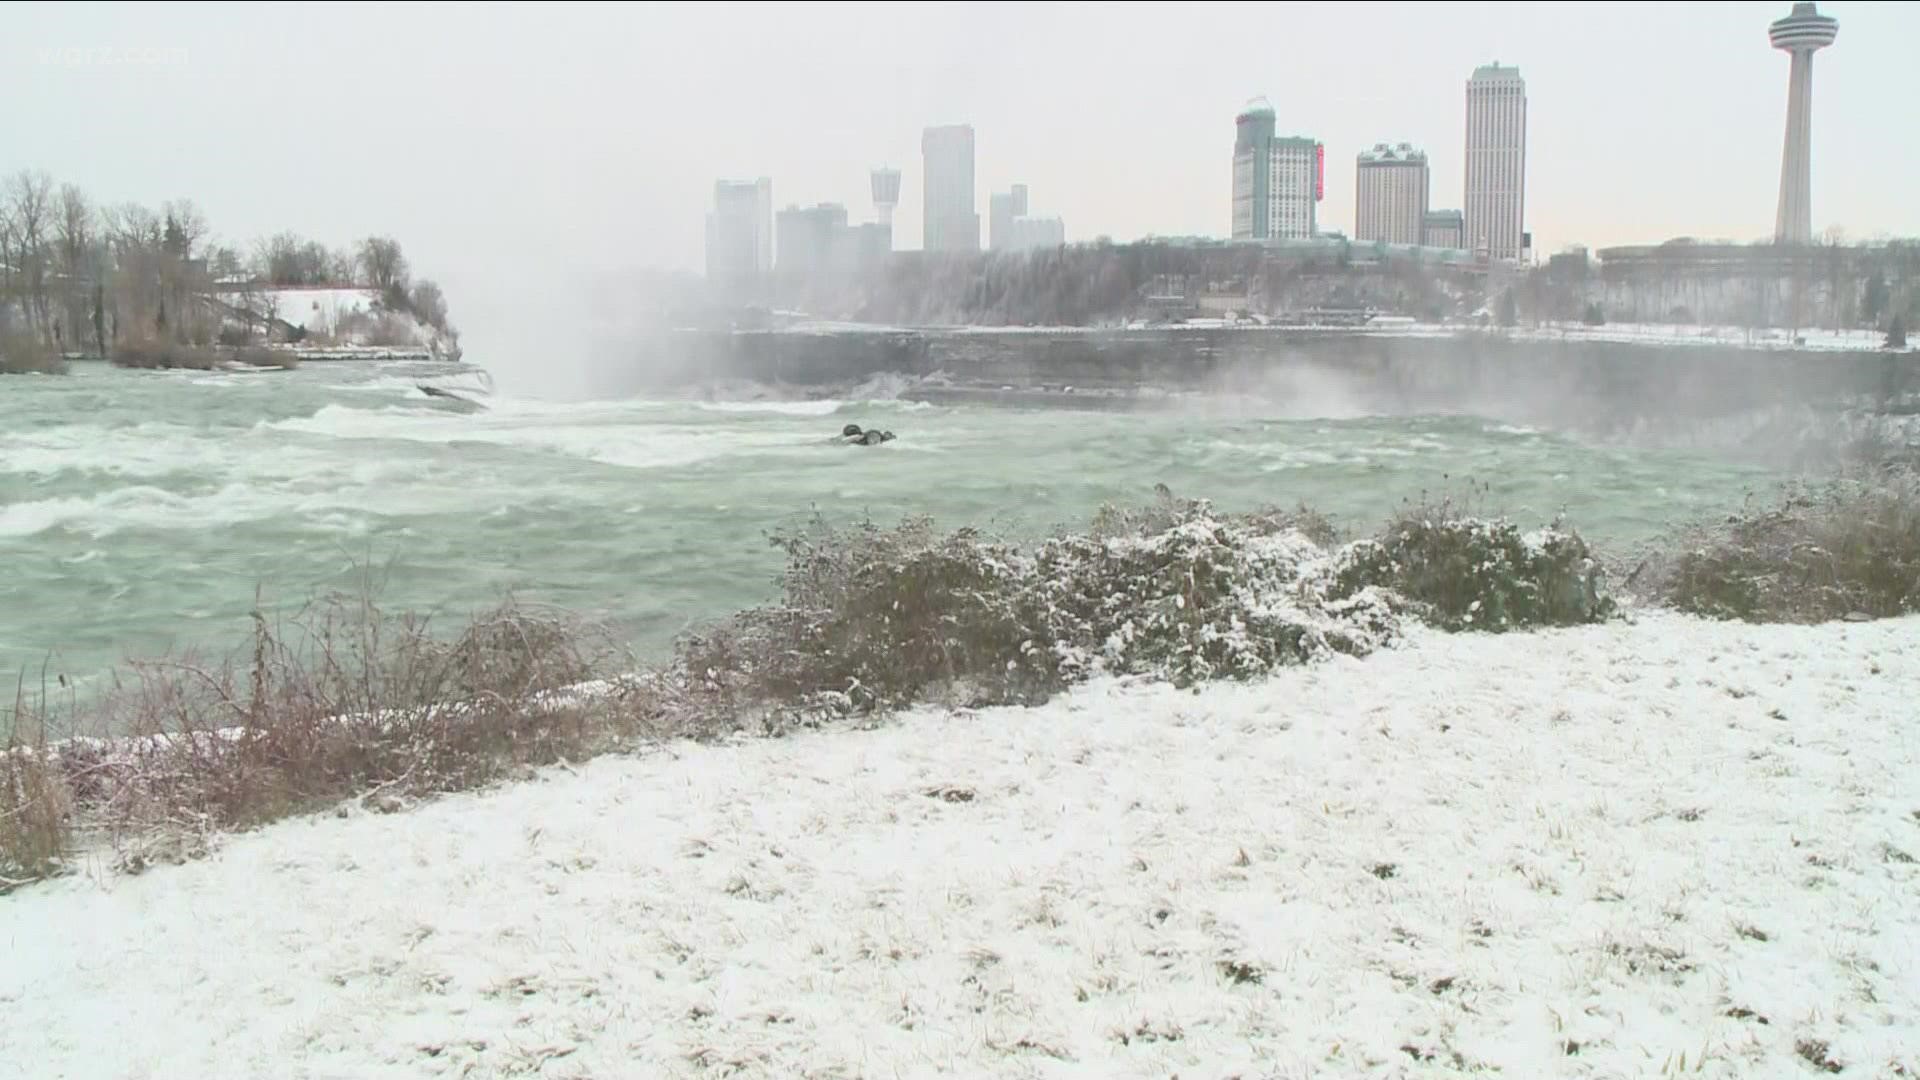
[1799,35]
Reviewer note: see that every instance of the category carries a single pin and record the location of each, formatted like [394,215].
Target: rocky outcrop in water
[874,437]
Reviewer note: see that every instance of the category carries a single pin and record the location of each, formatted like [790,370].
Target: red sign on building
[1319,171]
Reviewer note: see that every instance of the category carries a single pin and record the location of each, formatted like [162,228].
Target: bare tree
[134,236]
[132,226]
[186,226]
[316,264]
[156,283]
[76,271]
[9,256]
[286,259]
[29,197]
[225,263]
[341,268]
[383,266]
[429,304]
[74,226]
[79,263]
[277,259]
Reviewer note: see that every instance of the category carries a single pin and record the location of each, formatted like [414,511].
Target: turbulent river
[141,513]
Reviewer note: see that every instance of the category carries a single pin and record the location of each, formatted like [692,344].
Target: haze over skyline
[497,140]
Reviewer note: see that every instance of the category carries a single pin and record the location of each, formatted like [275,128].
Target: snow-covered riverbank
[1576,853]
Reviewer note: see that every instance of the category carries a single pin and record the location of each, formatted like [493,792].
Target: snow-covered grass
[341,700]
[1656,848]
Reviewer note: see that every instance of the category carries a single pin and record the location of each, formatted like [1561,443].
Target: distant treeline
[1103,282]
[1833,284]
[80,277]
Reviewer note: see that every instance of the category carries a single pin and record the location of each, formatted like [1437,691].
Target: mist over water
[139,512]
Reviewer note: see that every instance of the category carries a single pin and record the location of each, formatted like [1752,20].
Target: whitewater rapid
[142,512]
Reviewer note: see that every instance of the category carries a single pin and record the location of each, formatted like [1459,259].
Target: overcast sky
[554,138]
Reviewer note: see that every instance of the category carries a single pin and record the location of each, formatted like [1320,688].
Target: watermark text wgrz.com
[87,56]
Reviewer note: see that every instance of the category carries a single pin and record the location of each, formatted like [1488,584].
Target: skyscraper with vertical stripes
[1277,180]
[951,221]
[1496,184]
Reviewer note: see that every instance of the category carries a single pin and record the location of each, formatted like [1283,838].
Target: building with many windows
[1496,182]
[1444,229]
[1028,233]
[1277,180]
[1002,208]
[1011,228]
[1390,198]
[816,242]
[951,221]
[807,235]
[740,233]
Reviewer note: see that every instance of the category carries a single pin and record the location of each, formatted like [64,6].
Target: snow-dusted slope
[345,318]
[1601,852]
[317,308]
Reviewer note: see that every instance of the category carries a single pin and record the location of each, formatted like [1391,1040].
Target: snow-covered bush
[875,618]
[1466,573]
[1190,596]
[1849,546]
[872,618]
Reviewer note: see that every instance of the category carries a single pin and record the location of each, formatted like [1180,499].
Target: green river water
[140,512]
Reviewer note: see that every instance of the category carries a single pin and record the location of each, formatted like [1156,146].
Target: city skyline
[1272,172]
[1520,206]
[569,142]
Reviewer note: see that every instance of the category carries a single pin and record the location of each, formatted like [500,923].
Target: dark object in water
[854,436]
[435,391]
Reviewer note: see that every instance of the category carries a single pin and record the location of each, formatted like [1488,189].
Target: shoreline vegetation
[23,354]
[146,287]
[151,354]
[345,701]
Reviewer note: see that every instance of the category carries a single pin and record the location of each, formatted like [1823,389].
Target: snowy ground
[1605,852]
